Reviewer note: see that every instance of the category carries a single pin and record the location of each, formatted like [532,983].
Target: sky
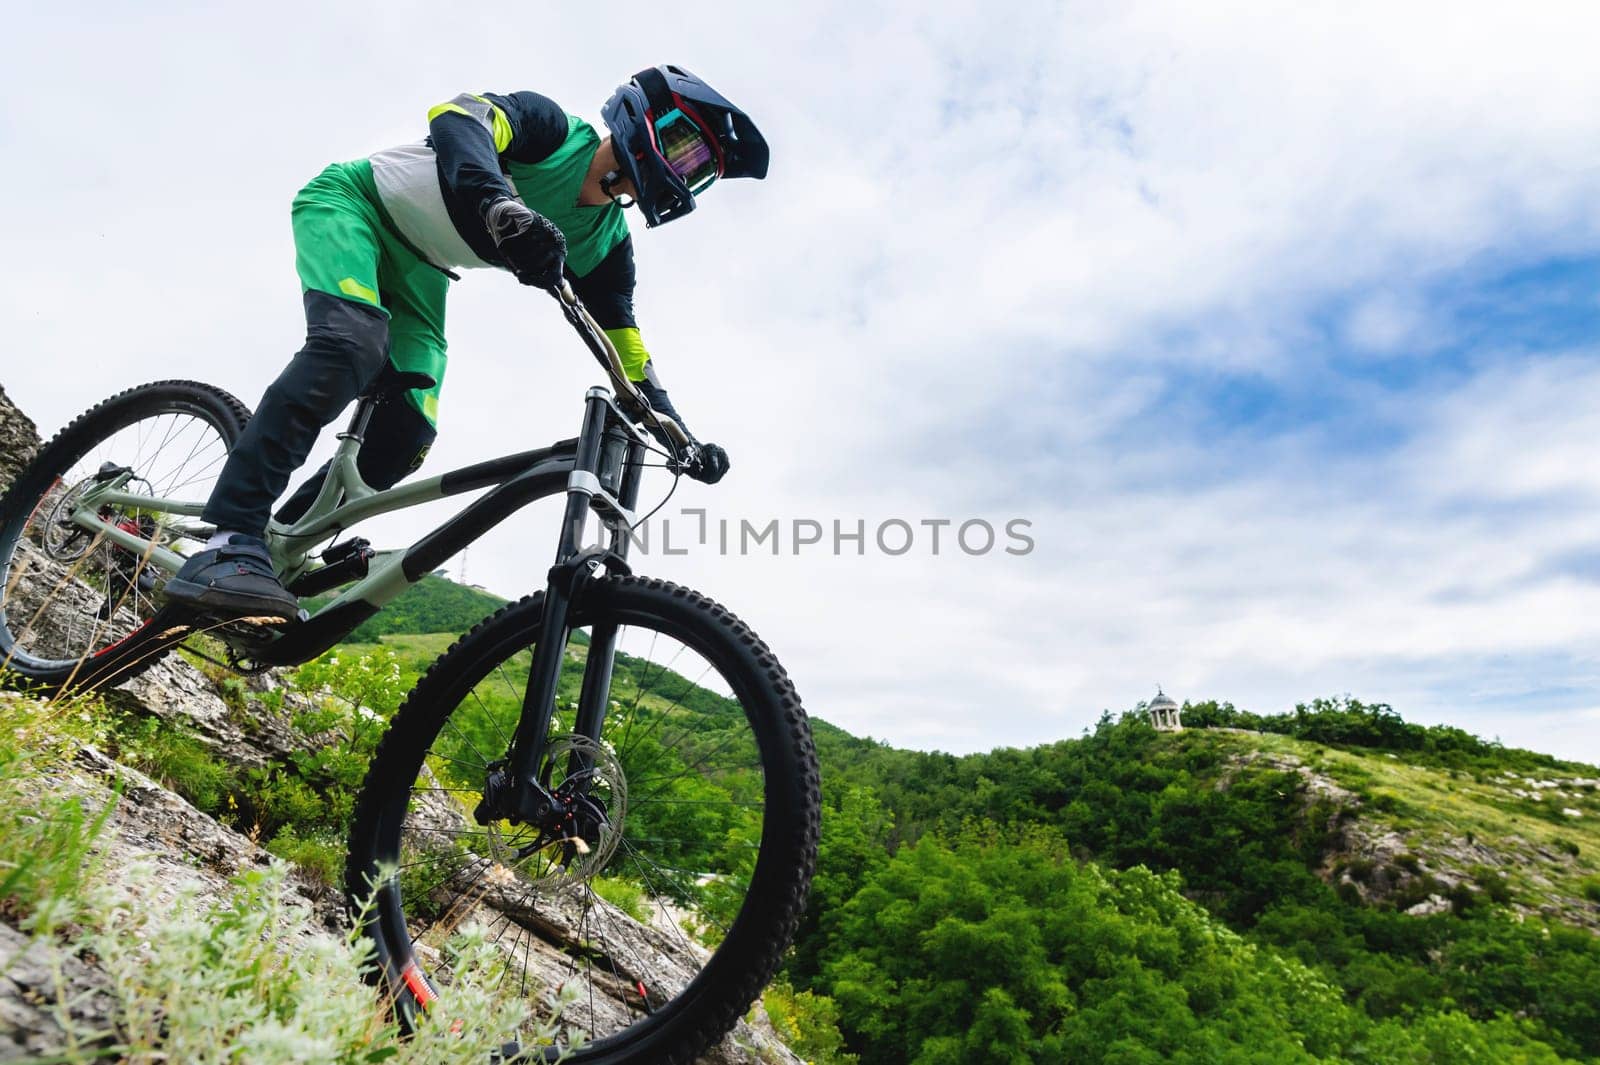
[1274,326]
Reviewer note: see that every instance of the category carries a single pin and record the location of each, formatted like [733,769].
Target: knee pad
[345,336]
[398,439]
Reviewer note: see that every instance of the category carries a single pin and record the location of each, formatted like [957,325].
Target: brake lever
[688,455]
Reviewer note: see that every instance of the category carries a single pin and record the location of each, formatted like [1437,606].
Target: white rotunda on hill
[1165,716]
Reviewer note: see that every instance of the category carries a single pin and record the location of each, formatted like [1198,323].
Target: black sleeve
[658,398]
[462,133]
[607,290]
[538,125]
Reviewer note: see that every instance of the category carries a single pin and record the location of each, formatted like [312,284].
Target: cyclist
[509,181]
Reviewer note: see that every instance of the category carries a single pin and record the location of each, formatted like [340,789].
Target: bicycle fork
[605,479]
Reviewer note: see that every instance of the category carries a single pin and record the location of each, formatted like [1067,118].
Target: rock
[1427,907]
[1378,863]
[172,689]
[542,932]
[32,1025]
[185,847]
[181,848]
[19,439]
[185,850]
[178,693]
[1317,785]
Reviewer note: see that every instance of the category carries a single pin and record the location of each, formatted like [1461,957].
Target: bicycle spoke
[664,812]
[663,715]
[85,595]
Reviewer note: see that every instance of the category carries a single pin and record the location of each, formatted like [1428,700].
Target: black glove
[709,465]
[530,243]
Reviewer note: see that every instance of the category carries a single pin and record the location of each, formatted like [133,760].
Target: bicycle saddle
[392,382]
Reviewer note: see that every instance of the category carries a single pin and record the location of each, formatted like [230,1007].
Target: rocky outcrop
[1370,861]
[182,850]
[50,1000]
[19,439]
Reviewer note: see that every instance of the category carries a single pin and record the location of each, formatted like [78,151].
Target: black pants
[347,346]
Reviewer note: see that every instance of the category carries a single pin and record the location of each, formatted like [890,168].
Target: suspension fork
[622,463]
[605,458]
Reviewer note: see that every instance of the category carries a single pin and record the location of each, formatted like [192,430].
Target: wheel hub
[577,824]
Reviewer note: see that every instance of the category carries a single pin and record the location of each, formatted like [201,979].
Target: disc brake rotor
[61,539]
[569,854]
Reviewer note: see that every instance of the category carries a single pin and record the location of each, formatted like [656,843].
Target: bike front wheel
[667,907]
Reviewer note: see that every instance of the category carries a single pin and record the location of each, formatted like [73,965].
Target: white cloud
[957,295]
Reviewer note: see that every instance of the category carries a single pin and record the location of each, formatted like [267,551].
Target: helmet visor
[687,150]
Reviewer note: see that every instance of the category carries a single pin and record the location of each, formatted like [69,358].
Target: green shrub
[1386,803]
[299,805]
[625,895]
[1497,887]
[1414,890]
[319,856]
[807,1023]
[175,759]
[46,838]
[250,978]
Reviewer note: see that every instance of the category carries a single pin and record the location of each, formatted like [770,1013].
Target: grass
[1551,856]
[245,976]
[626,896]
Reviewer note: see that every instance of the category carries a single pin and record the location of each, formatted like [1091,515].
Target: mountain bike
[611,736]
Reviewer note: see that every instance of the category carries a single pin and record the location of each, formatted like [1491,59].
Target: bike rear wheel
[72,603]
[705,780]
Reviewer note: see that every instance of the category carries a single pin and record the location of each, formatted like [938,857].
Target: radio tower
[463,565]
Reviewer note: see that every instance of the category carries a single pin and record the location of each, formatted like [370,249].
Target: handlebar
[605,352]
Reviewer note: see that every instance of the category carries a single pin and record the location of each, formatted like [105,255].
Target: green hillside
[1334,884]
[433,604]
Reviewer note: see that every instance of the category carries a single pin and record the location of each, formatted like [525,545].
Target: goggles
[689,154]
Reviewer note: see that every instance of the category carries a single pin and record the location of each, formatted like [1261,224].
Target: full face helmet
[675,135]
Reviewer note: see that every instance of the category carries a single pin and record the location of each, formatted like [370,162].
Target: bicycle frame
[344,499]
[599,470]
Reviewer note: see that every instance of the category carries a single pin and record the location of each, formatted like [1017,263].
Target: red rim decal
[418,985]
[112,647]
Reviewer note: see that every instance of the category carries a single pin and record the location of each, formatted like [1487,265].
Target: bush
[176,760]
[249,978]
[626,896]
[1493,884]
[319,856]
[807,1023]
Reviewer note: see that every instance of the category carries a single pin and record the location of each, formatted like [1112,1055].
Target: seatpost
[359,420]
